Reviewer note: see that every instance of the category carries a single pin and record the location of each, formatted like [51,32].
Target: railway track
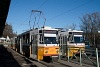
[52,64]
[29,62]
[7,59]
[34,63]
[58,64]
[23,61]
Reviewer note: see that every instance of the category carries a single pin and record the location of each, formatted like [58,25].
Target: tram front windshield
[78,39]
[50,40]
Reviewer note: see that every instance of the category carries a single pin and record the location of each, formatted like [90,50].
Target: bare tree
[90,25]
[72,27]
[8,31]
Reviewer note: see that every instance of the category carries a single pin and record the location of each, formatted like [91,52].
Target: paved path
[9,58]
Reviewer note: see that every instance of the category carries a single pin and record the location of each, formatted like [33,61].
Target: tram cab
[71,41]
[44,43]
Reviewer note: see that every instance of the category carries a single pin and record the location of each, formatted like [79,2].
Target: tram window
[58,39]
[50,40]
[40,31]
[78,39]
[70,32]
[41,39]
[65,39]
[70,38]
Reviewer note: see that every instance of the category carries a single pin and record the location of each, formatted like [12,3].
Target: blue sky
[58,13]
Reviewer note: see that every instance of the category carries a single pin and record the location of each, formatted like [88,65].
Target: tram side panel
[34,46]
[25,44]
[17,44]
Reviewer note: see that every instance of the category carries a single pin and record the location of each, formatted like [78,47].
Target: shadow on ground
[7,59]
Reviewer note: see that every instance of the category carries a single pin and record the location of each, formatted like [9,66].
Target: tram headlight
[46,51]
[57,51]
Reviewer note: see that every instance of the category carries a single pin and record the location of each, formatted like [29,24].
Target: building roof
[4,8]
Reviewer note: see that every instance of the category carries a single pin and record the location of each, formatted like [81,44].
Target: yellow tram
[39,43]
[71,42]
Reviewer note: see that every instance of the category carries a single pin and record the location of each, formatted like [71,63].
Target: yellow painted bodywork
[40,53]
[47,51]
[74,50]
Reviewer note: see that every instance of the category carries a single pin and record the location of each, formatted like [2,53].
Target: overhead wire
[41,14]
[44,19]
[31,13]
[70,10]
[28,18]
[30,21]
[35,17]
[34,23]
[40,7]
[38,20]
[14,4]
[42,4]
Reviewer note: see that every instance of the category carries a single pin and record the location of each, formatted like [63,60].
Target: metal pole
[60,47]
[30,44]
[20,47]
[94,38]
[80,57]
[68,54]
[97,57]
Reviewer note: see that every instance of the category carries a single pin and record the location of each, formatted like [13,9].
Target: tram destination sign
[76,33]
[50,31]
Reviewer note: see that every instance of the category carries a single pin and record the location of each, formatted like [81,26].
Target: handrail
[81,52]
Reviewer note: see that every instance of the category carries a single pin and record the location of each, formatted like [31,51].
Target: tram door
[34,46]
[63,45]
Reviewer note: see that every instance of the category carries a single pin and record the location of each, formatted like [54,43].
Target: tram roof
[42,28]
[74,31]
